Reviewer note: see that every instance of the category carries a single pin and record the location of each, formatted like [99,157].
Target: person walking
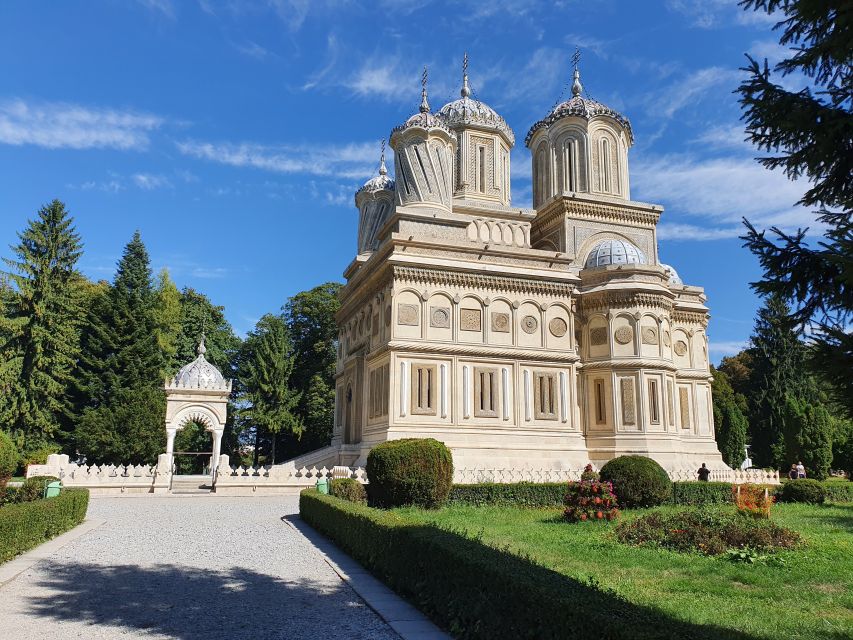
[801,470]
[704,473]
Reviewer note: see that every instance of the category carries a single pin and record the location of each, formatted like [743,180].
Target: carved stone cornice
[627,363]
[608,300]
[681,316]
[693,374]
[461,279]
[577,208]
[475,350]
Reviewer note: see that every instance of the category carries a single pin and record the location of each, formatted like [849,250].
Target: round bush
[8,458]
[409,471]
[803,490]
[33,488]
[637,481]
[348,489]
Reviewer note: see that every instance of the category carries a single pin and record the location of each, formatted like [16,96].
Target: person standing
[793,474]
[704,473]
[801,470]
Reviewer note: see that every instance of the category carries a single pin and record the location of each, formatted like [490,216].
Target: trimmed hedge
[520,494]
[838,491]
[693,494]
[33,488]
[637,481]
[416,471]
[26,525]
[476,591]
[803,490]
[348,489]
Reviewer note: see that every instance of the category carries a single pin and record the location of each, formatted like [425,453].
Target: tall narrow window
[605,165]
[423,169]
[600,413]
[485,393]
[545,396]
[424,389]
[481,162]
[654,404]
[569,166]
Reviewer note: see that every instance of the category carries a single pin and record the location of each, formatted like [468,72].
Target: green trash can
[52,489]
[323,485]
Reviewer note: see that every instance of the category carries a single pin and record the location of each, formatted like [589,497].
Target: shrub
[637,481]
[803,490]
[348,489]
[708,531]
[33,488]
[25,525]
[8,495]
[752,499]
[38,455]
[409,471]
[443,573]
[590,501]
[694,494]
[838,491]
[589,474]
[8,458]
[517,494]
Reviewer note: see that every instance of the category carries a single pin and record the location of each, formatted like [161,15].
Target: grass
[808,593]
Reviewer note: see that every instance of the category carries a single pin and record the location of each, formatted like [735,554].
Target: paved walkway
[198,568]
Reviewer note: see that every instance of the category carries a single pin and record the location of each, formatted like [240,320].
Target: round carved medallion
[529,324]
[680,348]
[666,339]
[558,327]
[440,317]
[650,335]
[624,335]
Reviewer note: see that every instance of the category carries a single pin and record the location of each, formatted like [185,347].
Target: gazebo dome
[199,374]
[613,251]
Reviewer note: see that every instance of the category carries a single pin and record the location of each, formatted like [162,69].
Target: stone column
[170,446]
[217,446]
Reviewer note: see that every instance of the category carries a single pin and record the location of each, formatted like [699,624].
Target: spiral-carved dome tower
[375,202]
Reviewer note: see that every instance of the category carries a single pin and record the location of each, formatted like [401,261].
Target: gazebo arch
[197,394]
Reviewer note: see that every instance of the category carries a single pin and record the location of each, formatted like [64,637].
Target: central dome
[466,111]
[613,251]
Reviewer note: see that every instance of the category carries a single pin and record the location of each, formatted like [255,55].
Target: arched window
[569,181]
[541,177]
[604,173]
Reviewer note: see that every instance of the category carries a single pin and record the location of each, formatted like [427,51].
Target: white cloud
[382,77]
[725,137]
[589,43]
[253,50]
[539,78]
[727,347]
[61,125]
[332,58]
[667,231]
[163,7]
[689,90]
[149,181]
[354,160]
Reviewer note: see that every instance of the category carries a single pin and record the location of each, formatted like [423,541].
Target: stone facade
[524,339]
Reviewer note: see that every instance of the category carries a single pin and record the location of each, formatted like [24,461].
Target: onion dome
[199,374]
[579,106]
[379,182]
[672,275]
[468,112]
[423,119]
[613,251]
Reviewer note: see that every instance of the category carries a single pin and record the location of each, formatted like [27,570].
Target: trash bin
[52,489]
[323,485]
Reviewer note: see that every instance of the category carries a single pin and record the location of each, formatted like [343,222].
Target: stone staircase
[191,485]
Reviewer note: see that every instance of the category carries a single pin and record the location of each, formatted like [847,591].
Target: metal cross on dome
[576,58]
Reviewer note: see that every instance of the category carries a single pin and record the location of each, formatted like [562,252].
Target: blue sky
[233,134]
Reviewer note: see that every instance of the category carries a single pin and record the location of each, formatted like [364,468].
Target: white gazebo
[197,394]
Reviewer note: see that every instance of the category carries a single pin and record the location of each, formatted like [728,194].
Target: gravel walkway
[200,568]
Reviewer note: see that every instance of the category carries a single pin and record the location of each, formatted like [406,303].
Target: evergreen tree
[808,132]
[265,373]
[311,319]
[39,327]
[730,423]
[167,315]
[121,367]
[842,446]
[778,372]
[197,314]
[808,436]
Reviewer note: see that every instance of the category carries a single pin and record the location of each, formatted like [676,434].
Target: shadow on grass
[477,591]
[194,604]
[825,515]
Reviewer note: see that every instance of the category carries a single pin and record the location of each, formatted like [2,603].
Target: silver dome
[613,251]
[672,275]
[199,374]
[379,182]
[467,111]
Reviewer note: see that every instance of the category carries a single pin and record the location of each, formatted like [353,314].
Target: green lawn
[809,594]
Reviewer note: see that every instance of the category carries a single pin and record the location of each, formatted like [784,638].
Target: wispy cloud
[56,125]
[252,49]
[353,160]
[161,7]
[688,90]
[727,347]
[383,77]
[724,137]
[150,181]
[331,60]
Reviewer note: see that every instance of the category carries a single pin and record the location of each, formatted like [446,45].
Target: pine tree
[778,372]
[121,367]
[808,132]
[39,327]
[730,423]
[265,374]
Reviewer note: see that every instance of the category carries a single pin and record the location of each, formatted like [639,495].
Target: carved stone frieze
[690,317]
[500,322]
[440,278]
[629,408]
[407,314]
[611,300]
[470,320]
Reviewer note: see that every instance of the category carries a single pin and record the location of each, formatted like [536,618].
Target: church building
[534,339]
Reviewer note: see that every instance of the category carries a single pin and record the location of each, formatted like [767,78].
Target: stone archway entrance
[198,395]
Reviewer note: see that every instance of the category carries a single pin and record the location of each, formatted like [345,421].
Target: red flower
[599,515]
[583,516]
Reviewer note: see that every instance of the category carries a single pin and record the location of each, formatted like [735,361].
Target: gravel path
[200,568]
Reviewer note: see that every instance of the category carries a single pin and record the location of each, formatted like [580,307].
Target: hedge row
[476,591]
[838,491]
[25,525]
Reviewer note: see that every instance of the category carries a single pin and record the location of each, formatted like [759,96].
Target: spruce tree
[121,369]
[730,423]
[808,436]
[39,327]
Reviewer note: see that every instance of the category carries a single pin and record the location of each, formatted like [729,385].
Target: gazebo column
[170,446]
[217,449]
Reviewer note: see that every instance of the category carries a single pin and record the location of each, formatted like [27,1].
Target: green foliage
[838,490]
[310,317]
[39,326]
[167,318]
[802,490]
[24,526]
[808,436]
[519,494]
[842,446]
[589,474]
[637,481]
[701,493]
[707,531]
[198,314]
[33,488]
[807,131]
[730,423]
[9,458]
[123,404]
[348,489]
[265,370]
[590,500]
[410,471]
[37,455]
